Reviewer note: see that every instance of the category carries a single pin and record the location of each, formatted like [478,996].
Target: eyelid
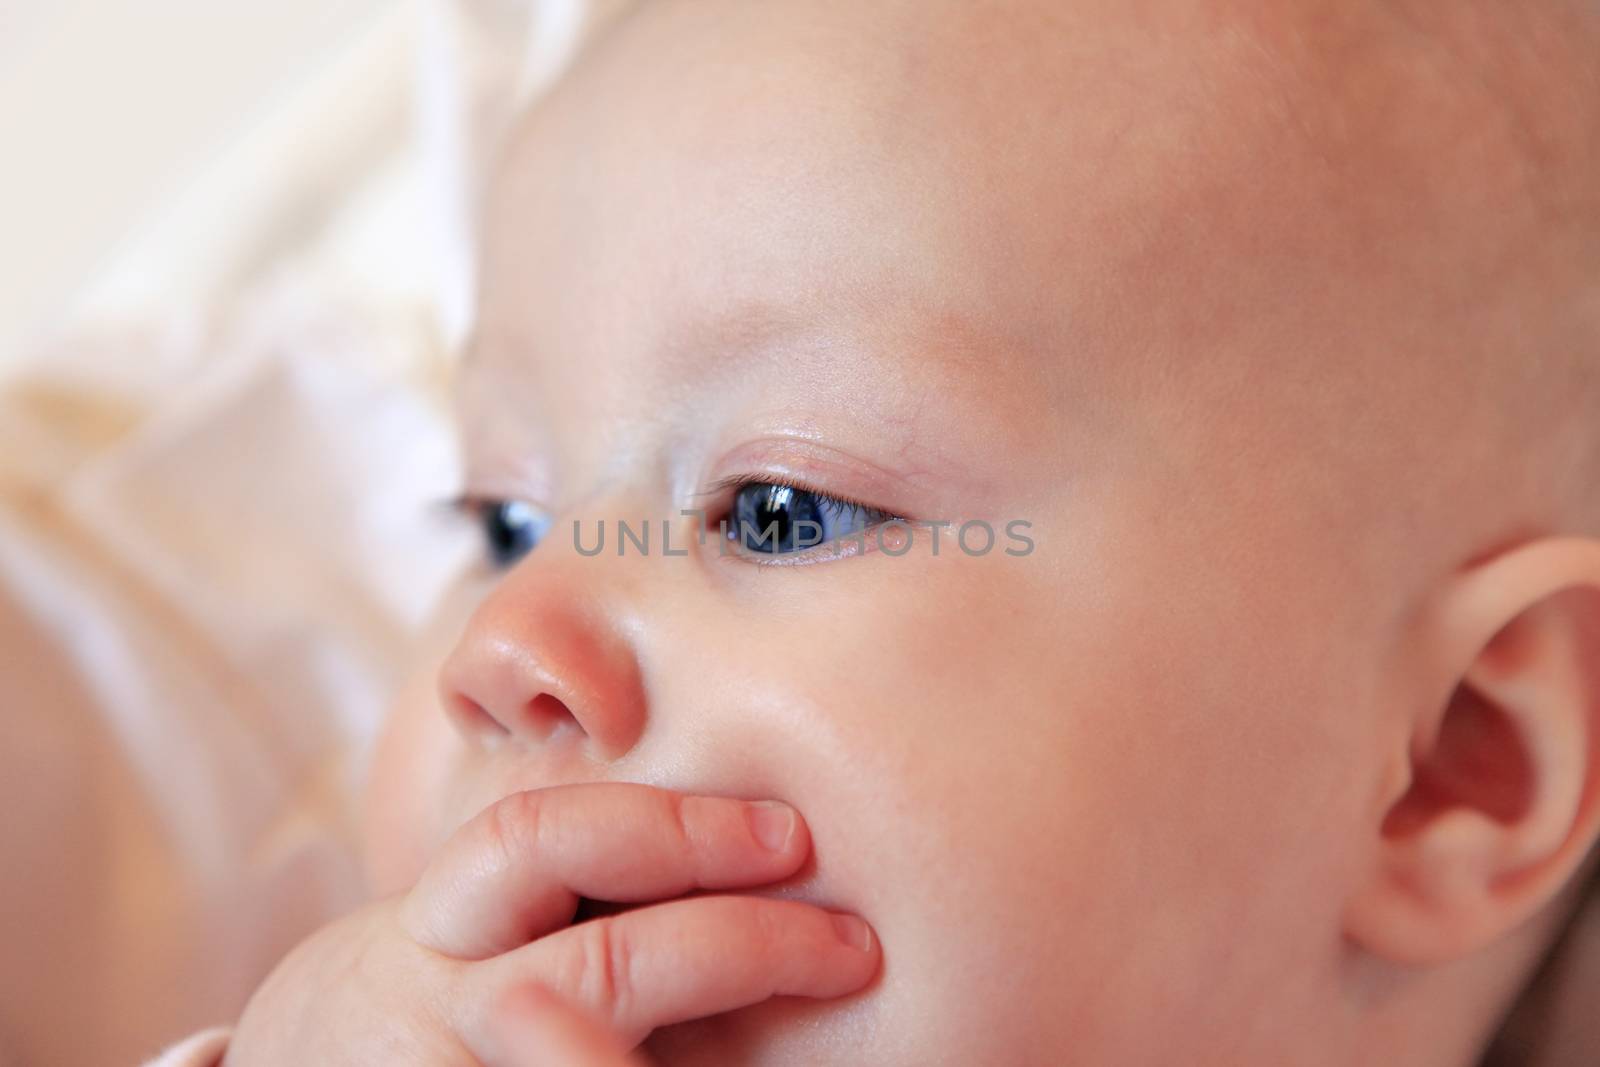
[497,475]
[468,505]
[816,468]
[473,505]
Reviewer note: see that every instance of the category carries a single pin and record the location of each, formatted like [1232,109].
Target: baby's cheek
[403,805]
[1081,788]
[407,807]
[982,807]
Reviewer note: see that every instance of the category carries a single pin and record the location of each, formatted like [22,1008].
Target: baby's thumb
[532,1027]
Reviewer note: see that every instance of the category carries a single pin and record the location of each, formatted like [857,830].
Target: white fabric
[209,573]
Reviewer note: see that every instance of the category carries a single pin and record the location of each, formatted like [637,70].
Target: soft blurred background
[235,264]
[165,150]
[117,121]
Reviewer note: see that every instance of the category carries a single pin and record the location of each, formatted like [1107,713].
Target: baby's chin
[788,1031]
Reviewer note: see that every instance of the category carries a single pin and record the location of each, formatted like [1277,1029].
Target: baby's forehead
[897,75]
[1090,189]
[1072,143]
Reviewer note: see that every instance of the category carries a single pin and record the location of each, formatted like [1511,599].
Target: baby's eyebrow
[941,392]
[939,346]
[691,353]
[948,388]
[708,346]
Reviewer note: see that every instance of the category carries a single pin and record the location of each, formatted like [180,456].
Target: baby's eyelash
[731,486]
[772,516]
[464,505]
[469,506]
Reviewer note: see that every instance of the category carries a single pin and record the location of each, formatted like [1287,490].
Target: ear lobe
[1500,801]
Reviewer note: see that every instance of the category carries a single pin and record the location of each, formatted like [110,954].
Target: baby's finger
[516,871]
[682,960]
[532,1027]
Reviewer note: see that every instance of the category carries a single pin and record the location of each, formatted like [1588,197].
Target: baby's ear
[1497,794]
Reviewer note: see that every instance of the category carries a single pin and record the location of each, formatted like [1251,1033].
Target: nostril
[547,713]
[535,666]
[475,720]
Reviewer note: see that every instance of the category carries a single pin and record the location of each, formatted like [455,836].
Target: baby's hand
[439,975]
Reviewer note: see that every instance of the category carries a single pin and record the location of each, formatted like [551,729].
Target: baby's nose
[539,656]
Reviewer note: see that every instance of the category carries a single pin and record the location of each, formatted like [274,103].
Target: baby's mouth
[589,908]
[592,908]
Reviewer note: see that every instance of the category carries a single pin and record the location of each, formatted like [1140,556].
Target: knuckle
[678,821]
[513,827]
[604,963]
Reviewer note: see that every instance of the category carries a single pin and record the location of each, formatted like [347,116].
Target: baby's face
[1099,795]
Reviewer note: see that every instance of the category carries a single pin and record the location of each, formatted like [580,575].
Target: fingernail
[772,823]
[853,931]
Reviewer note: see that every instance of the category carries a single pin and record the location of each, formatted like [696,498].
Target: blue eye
[511,529]
[776,519]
